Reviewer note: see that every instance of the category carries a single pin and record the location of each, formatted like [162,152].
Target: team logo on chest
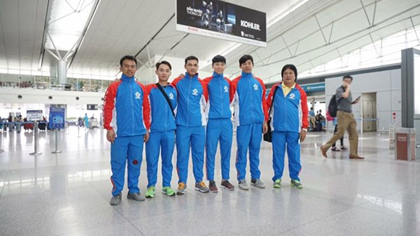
[255,87]
[171,96]
[292,96]
[195,92]
[138,95]
[226,89]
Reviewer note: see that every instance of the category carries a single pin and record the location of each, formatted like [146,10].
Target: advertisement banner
[57,118]
[222,20]
[33,115]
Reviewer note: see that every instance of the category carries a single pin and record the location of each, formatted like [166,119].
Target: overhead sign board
[222,20]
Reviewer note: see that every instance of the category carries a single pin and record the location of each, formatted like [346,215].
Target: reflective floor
[68,193]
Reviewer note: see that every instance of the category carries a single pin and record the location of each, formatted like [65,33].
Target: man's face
[289,76]
[247,66]
[347,81]
[128,68]
[191,67]
[219,67]
[163,72]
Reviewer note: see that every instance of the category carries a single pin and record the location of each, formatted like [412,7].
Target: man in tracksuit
[190,120]
[162,130]
[126,109]
[289,124]
[250,113]
[219,126]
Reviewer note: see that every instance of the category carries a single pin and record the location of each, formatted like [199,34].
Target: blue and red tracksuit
[162,134]
[190,121]
[288,116]
[219,125]
[250,112]
[126,109]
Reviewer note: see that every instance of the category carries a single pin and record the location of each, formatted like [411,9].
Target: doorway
[369,118]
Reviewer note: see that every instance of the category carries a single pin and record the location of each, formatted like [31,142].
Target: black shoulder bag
[166,97]
[268,136]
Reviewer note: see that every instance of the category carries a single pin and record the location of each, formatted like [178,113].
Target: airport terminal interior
[58,57]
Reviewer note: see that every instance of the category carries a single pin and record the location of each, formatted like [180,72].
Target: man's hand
[110,135]
[265,127]
[302,135]
[146,136]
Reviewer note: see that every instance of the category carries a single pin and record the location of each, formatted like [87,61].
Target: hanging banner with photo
[222,20]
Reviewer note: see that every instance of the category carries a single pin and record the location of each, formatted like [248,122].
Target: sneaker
[150,192]
[227,185]
[335,149]
[277,183]
[243,185]
[136,197]
[115,200]
[168,191]
[201,186]
[257,183]
[343,148]
[213,187]
[296,183]
[182,189]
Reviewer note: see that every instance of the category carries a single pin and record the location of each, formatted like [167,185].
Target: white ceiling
[316,32]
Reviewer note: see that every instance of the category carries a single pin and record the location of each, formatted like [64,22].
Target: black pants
[342,138]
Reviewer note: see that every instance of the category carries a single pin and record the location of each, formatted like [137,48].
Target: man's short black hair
[191,58]
[289,66]
[348,77]
[218,58]
[165,63]
[128,57]
[245,58]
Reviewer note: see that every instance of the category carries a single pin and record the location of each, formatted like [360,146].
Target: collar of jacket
[187,76]
[125,78]
[246,75]
[218,76]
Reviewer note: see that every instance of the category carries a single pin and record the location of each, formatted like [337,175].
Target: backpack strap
[166,97]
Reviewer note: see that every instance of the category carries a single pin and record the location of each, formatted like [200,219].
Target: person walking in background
[86,121]
[289,124]
[346,119]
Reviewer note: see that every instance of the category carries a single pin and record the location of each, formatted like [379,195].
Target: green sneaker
[168,191]
[150,192]
[296,183]
[277,183]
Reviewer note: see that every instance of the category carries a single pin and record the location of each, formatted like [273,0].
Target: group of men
[195,115]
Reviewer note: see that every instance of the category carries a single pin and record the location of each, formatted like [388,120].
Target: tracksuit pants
[218,130]
[126,151]
[248,136]
[164,142]
[190,138]
[280,141]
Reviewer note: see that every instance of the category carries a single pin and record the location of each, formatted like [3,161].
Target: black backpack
[332,106]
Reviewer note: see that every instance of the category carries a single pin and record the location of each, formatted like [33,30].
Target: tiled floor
[68,194]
